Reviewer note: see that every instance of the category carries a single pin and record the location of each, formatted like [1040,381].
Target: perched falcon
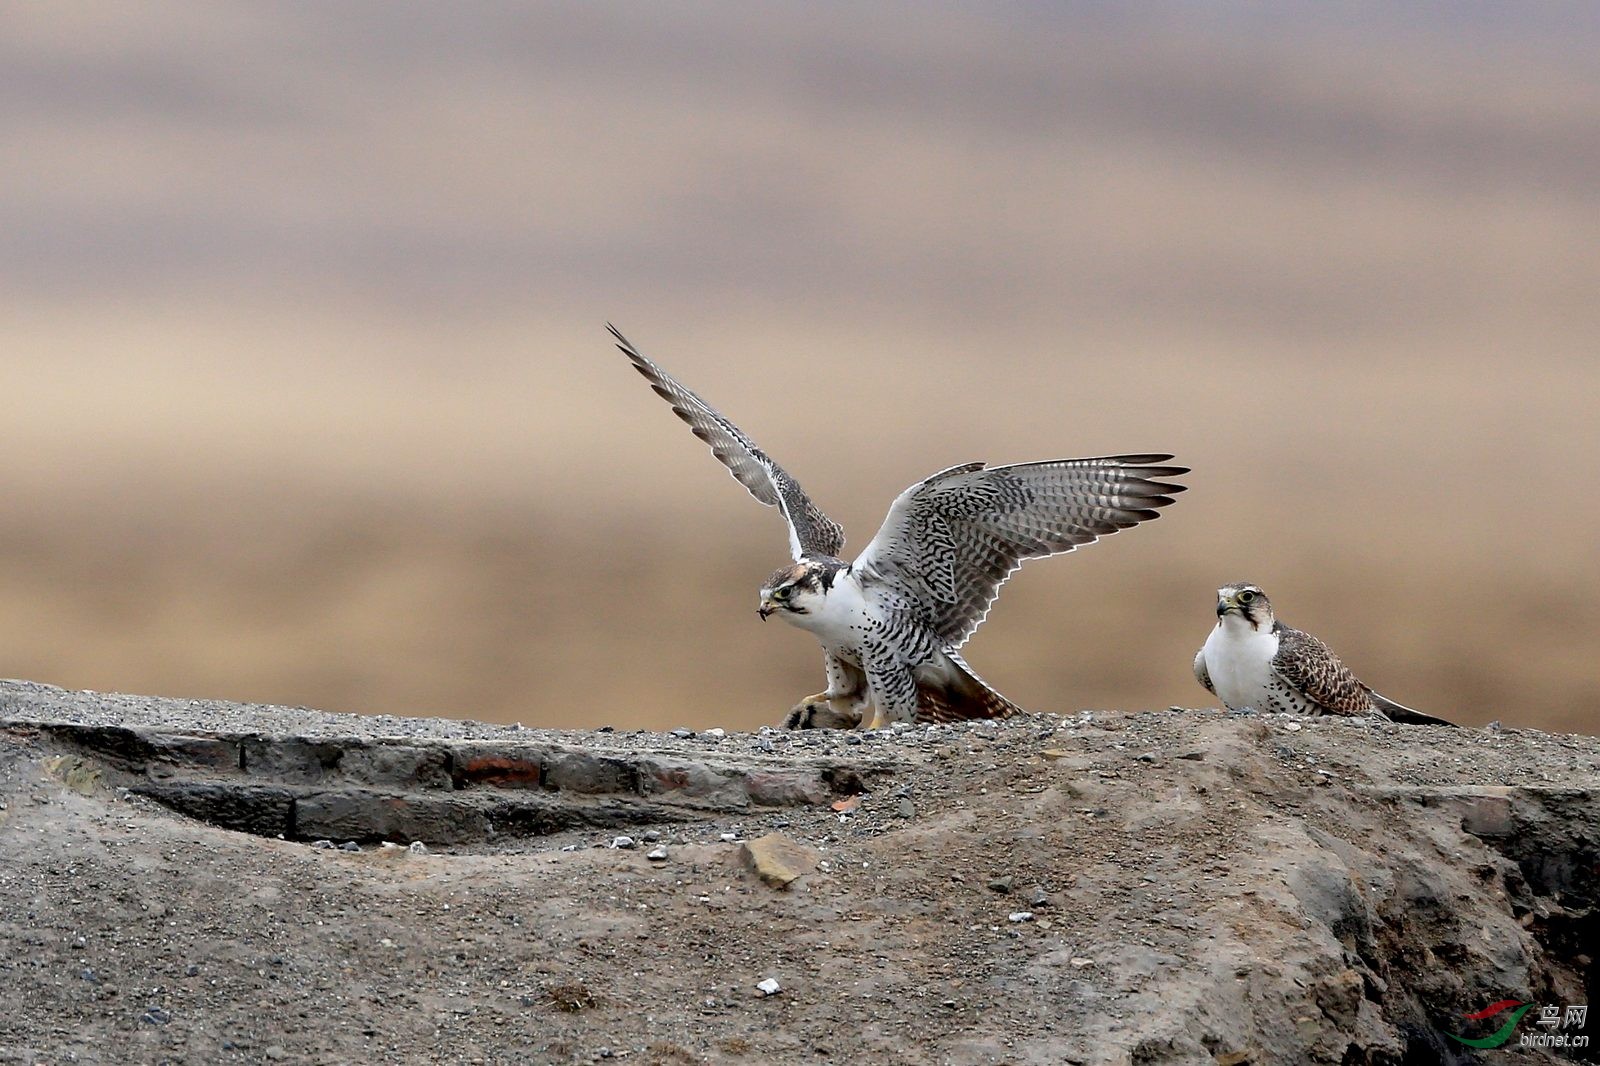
[1252,661]
[892,622]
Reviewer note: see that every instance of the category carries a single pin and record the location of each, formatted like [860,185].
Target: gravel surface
[1164,886]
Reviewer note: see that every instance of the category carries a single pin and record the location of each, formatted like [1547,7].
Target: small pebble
[622,842]
[652,834]
[155,1016]
[349,845]
[325,845]
[657,854]
[769,987]
[1080,962]
[1000,884]
[1293,727]
[1021,916]
[728,838]
[719,733]
[905,808]
[417,847]
[683,734]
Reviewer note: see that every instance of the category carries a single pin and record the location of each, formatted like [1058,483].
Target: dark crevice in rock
[1426,1047]
[1546,848]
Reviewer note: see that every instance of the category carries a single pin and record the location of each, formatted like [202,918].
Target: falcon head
[800,588]
[1245,604]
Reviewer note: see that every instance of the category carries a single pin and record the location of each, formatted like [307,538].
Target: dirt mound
[1159,887]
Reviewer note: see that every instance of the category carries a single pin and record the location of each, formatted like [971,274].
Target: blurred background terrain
[309,399]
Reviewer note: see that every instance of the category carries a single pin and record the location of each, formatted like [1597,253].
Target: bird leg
[842,705]
[823,711]
[893,693]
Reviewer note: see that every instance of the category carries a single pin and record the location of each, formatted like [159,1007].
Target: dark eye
[1246,596]
[782,592]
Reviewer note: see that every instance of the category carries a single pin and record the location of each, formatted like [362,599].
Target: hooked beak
[1223,607]
[767,606]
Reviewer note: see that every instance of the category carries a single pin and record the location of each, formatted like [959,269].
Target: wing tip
[624,345]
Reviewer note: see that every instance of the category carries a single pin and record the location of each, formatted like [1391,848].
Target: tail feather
[1399,712]
[951,692]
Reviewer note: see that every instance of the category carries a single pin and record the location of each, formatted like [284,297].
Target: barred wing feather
[950,541]
[811,532]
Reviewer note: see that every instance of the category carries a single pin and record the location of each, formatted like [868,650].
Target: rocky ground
[210,883]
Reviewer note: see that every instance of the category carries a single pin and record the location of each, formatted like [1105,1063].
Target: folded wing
[950,541]
[811,532]
[1309,666]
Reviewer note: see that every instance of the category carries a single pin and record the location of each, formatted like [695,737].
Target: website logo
[1500,1035]
[1552,1017]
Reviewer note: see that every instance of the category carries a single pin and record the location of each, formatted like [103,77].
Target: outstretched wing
[810,531]
[1309,666]
[950,542]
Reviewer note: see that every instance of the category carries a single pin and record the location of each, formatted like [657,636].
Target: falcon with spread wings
[892,622]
